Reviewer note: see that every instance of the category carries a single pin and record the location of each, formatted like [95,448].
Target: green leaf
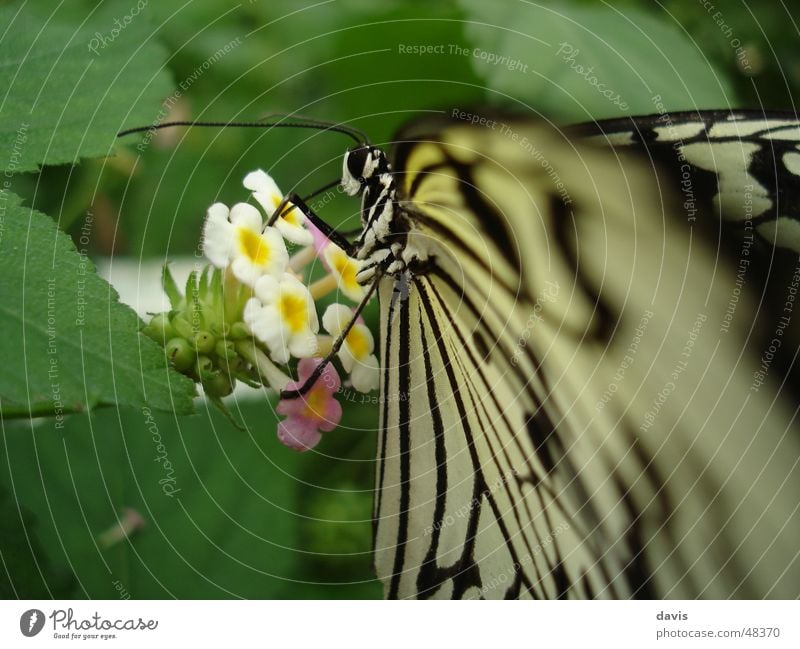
[228,514]
[25,569]
[67,343]
[72,78]
[579,63]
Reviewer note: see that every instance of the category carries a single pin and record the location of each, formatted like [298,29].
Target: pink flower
[314,412]
[320,241]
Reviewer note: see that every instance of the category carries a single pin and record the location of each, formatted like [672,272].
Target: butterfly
[587,351]
[581,386]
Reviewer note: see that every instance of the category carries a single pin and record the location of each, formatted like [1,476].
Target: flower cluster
[250,313]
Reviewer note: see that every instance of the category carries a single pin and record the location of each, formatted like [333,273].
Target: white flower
[356,351]
[283,317]
[234,237]
[265,190]
[344,268]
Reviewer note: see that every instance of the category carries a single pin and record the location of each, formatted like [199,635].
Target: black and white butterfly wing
[561,415]
[739,166]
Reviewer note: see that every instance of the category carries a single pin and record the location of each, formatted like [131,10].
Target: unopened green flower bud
[204,342]
[204,366]
[234,365]
[225,349]
[239,331]
[159,328]
[182,326]
[218,385]
[220,330]
[180,354]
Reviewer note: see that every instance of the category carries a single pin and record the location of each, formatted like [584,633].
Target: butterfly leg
[309,382]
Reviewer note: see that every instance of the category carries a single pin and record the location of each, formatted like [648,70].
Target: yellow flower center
[294,311]
[357,342]
[253,246]
[345,268]
[316,401]
[290,216]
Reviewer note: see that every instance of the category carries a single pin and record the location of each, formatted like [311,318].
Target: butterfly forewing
[561,416]
[740,166]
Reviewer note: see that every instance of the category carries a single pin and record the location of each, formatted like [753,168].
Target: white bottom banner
[353,624]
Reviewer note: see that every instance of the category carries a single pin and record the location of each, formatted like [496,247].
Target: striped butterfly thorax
[570,407]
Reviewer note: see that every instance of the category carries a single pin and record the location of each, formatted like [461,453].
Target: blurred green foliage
[228,514]
[252,518]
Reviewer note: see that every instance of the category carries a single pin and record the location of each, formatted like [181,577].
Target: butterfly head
[362,165]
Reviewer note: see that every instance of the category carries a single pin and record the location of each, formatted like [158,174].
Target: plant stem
[275,378]
[322,286]
[302,258]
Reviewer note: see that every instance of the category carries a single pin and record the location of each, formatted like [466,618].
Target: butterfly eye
[357,161]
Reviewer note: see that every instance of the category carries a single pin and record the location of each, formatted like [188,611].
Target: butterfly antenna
[268,121]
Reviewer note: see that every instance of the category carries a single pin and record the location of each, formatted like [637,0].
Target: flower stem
[322,286]
[302,258]
[275,378]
